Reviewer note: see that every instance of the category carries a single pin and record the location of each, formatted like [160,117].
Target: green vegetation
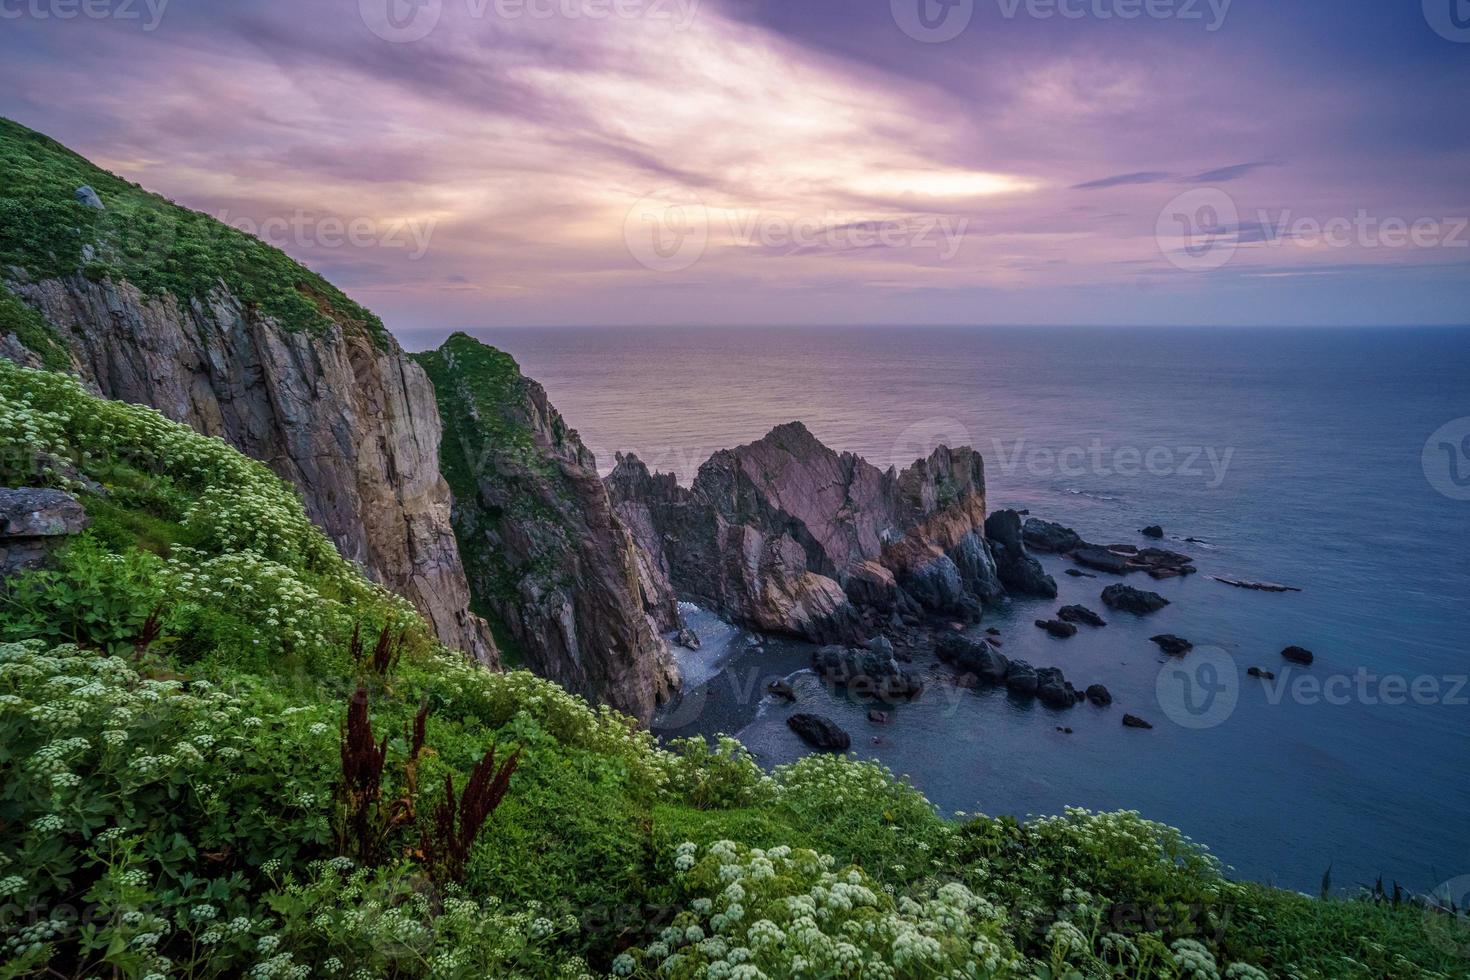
[182,792]
[34,333]
[148,241]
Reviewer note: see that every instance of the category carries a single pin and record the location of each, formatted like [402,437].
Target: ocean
[1335,461]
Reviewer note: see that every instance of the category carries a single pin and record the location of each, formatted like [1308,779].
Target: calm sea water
[1293,456]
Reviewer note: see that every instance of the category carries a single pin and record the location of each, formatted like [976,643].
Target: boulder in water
[1080,614]
[1129,599]
[820,732]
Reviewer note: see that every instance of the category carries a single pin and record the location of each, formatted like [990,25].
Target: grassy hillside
[186,791]
[147,240]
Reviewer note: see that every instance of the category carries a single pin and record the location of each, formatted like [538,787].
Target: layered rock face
[786,535]
[545,553]
[342,414]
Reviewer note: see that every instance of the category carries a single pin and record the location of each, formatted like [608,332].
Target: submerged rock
[1264,675]
[1133,721]
[820,732]
[782,689]
[1152,531]
[1255,586]
[1079,573]
[1099,695]
[1129,599]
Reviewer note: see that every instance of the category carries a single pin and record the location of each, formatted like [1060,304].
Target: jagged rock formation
[343,414]
[787,535]
[545,553]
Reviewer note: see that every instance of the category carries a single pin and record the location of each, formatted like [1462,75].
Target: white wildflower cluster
[782,913]
[285,611]
[70,711]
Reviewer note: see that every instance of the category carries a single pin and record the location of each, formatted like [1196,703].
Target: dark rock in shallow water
[1057,628]
[979,659]
[1053,690]
[1101,559]
[1256,586]
[1123,549]
[1298,655]
[1099,695]
[1129,599]
[1174,646]
[1163,573]
[1064,731]
[781,689]
[1021,678]
[688,639]
[1160,558]
[1264,675]
[820,732]
[1080,614]
[868,672]
[1133,721]
[878,717]
[1019,572]
[1047,536]
[992,631]
[1079,573]
[1152,531]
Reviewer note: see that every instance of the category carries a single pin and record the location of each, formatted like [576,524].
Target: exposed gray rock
[33,523]
[687,638]
[88,198]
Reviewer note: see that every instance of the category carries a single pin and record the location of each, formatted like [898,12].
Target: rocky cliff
[547,557]
[157,305]
[785,534]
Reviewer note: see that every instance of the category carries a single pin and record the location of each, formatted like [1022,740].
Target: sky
[485,163]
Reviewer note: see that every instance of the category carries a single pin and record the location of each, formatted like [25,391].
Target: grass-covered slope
[147,240]
[184,790]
